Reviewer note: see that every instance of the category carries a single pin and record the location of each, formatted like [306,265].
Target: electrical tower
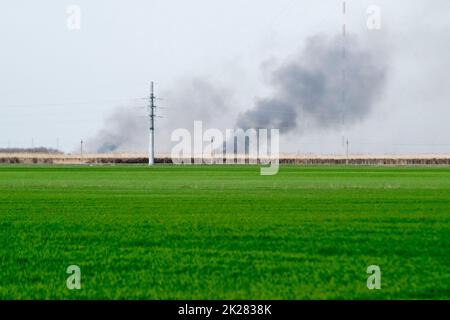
[151,111]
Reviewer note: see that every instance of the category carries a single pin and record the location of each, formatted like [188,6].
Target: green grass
[224,232]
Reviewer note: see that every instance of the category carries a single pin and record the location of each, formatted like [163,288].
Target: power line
[57,104]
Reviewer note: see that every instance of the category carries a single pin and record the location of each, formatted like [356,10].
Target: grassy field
[224,232]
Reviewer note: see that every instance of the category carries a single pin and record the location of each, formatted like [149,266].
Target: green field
[224,232]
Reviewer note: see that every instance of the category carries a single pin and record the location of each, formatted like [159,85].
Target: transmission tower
[151,112]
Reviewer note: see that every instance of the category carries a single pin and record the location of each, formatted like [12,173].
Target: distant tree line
[30,150]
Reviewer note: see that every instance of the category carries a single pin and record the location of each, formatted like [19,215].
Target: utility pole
[151,144]
[346,159]
[213,153]
[81,148]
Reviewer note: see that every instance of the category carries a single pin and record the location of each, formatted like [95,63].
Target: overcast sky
[57,83]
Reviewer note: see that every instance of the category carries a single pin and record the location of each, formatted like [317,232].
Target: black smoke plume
[324,85]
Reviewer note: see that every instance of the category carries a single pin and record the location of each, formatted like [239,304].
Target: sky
[214,61]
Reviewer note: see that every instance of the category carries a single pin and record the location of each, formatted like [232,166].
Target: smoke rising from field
[124,130]
[309,87]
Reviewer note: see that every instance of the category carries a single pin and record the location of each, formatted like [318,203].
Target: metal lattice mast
[151,147]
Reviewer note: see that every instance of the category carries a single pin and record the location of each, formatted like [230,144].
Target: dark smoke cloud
[124,131]
[310,87]
[307,87]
